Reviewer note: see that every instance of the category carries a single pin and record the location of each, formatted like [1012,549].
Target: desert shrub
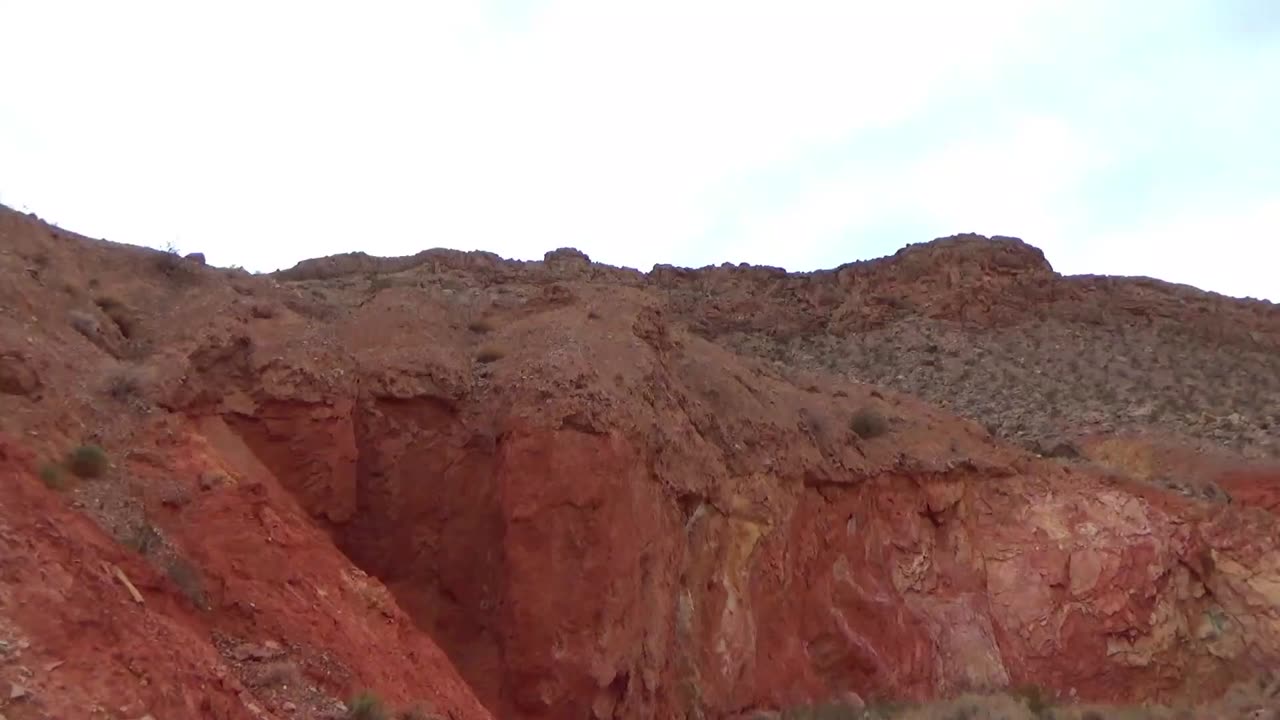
[825,711]
[481,325]
[490,354]
[52,476]
[170,263]
[1038,701]
[187,578]
[284,673]
[867,424]
[124,384]
[120,314]
[887,708]
[88,461]
[366,705]
[143,539]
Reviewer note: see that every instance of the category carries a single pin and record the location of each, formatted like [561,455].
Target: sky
[1131,138]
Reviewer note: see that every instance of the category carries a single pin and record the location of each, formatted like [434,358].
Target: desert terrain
[949,482]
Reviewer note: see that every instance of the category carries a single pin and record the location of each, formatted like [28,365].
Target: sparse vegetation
[1035,383]
[1246,700]
[53,477]
[187,578]
[88,462]
[366,705]
[866,423]
[171,264]
[481,325]
[1038,701]
[282,673]
[120,314]
[490,354]
[124,384]
[143,539]
[827,711]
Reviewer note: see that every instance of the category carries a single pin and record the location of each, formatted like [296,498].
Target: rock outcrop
[603,495]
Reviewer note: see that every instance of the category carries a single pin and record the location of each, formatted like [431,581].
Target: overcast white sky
[1137,137]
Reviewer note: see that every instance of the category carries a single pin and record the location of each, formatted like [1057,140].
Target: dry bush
[53,477]
[482,325]
[120,314]
[283,673]
[144,539]
[170,263]
[187,578]
[829,711]
[1253,700]
[125,384]
[366,705]
[867,424]
[88,461]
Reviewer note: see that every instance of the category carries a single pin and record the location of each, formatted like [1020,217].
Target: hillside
[559,489]
[981,326]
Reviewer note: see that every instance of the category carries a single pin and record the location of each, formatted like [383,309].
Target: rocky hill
[558,489]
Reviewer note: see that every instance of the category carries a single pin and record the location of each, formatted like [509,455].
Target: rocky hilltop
[557,489]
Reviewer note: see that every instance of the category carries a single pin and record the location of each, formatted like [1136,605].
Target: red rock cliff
[598,511]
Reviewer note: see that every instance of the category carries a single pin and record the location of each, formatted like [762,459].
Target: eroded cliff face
[632,522]
[595,509]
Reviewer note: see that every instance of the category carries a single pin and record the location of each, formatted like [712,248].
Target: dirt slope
[621,495]
[248,609]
